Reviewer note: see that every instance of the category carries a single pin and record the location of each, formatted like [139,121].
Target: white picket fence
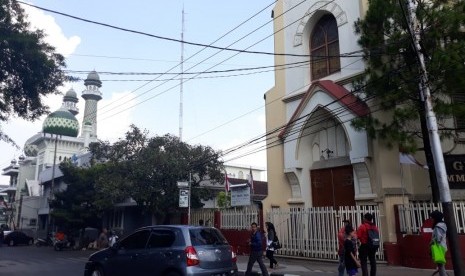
[412,215]
[207,215]
[239,218]
[312,232]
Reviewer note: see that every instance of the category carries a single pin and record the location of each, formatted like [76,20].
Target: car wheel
[11,243]
[97,272]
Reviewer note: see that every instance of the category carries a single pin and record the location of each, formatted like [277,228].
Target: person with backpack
[271,238]
[368,235]
[438,239]
[256,251]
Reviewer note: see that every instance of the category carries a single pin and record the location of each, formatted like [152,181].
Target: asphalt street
[32,261]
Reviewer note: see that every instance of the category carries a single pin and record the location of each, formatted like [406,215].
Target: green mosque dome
[61,122]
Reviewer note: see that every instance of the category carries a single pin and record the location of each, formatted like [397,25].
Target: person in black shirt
[350,258]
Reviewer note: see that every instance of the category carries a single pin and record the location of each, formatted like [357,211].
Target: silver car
[174,250]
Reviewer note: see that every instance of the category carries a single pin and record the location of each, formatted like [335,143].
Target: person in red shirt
[341,237]
[365,251]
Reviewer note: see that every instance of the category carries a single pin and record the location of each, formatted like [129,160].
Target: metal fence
[312,232]
[206,215]
[239,218]
[412,215]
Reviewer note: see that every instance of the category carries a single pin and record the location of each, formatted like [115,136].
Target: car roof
[173,226]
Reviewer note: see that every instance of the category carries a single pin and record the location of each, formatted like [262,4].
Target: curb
[256,273]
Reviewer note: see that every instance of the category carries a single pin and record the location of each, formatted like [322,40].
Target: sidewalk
[291,266]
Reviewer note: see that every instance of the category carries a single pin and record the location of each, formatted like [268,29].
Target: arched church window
[324,48]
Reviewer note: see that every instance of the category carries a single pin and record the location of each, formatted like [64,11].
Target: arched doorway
[333,187]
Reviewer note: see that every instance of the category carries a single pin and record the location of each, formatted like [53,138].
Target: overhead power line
[158,36]
[192,56]
[189,79]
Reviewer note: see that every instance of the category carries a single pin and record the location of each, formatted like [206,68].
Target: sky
[221,110]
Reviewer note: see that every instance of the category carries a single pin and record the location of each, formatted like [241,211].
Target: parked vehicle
[66,243]
[44,242]
[174,250]
[17,237]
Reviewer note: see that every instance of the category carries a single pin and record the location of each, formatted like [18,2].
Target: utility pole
[189,200]
[181,84]
[436,148]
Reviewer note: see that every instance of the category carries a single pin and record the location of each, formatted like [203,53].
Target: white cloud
[54,33]
[113,120]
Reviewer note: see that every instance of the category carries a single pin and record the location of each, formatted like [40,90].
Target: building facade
[323,160]
[61,139]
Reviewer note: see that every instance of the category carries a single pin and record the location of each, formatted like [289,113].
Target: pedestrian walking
[271,238]
[341,237]
[438,242]
[102,241]
[368,235]
[350,260]
[256,251]
[112,238]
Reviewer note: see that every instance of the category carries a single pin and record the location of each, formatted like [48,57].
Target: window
[206,236]
[137,240]
[459,120]
[324,48]
[240,175]
[32,222]
[162,238]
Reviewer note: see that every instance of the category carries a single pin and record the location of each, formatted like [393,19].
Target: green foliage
[82,203]
[392,75]
[147,170]
[29,67]
[224,200]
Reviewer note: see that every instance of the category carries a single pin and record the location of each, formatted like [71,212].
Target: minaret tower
[91,95]
[70,100]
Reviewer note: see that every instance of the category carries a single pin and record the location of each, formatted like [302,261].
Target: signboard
[183,198]
[240,196]
[182,184]
[455,167]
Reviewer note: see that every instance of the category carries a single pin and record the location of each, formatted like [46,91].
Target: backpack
[373,238]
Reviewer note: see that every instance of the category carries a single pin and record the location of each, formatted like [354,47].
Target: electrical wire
[162,37]
[191,78]
[192,56]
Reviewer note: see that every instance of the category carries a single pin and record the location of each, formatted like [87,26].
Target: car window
[138,240]
[206,236]
[161,238]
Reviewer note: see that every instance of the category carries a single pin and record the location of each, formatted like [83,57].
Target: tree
[392,75]
[82,203]
[29,67]
[391,78]
[147,170]
[224,200]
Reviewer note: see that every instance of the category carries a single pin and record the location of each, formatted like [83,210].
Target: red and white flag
[250,181]
[227,185]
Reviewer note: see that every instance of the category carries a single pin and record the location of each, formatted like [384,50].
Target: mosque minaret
[91,96]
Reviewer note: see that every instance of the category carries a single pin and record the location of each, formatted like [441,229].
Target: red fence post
[217,219]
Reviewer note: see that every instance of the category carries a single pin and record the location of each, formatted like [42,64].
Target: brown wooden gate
[333,187]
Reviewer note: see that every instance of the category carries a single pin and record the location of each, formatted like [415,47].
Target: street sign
[183,198]
[182,184]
